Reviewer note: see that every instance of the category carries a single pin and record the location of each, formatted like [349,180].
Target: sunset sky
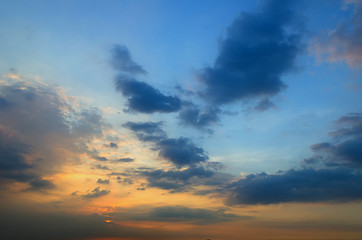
[175,120]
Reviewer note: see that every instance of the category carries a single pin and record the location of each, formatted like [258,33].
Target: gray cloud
[122,60]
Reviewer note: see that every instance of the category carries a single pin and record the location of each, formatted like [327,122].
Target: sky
[141,120]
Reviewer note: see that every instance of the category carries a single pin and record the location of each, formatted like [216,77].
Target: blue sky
[182,100]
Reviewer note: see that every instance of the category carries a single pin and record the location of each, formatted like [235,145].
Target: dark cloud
[149,128]
[347,153]
[336,176]
[181,151]
[113,145]
[124,180]
[176,180]
[307,185]
[256,52]
[100,167]
[96,193]
[102,159]
[40,185]
[101,181]
[13,164]
[147,131]
[192,215]
[346,147]
[123,160]
[118,174]
[344,42]
[4,104]
[143,98]
[122,61]
[313,160]
[201,119]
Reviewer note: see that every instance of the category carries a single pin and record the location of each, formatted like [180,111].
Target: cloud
[101,181]
[198,216]
[42,128]
[4,104]
[306,185]
[40,184]
[102,159]
[118,174]
[96,193]
[346,148]
[176,180]
[122,61]
[349,126]
[143,98]
[13,164]
[147,131]
[124,180]
[259,48]
[180,151]
[89,123]
[343,43]
[201,119]
[124,160]
[100,167]
[113,145]
[336,176]
[194,215]
[264,105]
